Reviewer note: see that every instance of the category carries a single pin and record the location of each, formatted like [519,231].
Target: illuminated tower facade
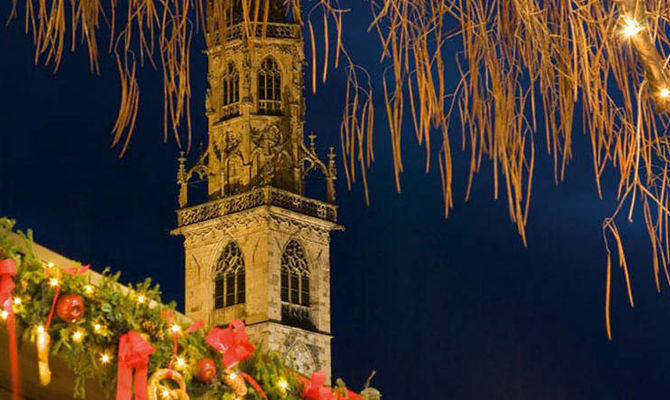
[258,248]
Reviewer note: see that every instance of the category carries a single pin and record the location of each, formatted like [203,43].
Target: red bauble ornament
[70,307]
[206,370]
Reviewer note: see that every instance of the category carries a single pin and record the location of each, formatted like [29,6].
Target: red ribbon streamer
[196,326]
[254,384]
[134,353]
[7,270]
[315,388]
[232,342]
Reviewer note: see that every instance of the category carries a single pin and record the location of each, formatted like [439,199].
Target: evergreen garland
[111,311]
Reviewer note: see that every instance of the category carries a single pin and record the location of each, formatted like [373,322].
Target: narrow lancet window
[229,280]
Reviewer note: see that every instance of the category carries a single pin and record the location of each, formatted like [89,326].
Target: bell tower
[258,248]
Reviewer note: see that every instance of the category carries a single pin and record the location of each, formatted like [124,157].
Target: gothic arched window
[231,90]
[229,283]
[269,87]
[294,275]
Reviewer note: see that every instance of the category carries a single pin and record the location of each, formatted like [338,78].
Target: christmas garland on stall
[129,340]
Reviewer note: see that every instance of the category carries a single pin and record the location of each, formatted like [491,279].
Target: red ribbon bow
[134,353]
[315,388]
[232,342]
[7,270]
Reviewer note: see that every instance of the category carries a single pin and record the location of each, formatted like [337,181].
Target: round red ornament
[206,370]
[70,307]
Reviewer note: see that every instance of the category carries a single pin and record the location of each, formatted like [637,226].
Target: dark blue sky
[453,308]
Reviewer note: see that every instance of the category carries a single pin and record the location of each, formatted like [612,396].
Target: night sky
[443,309]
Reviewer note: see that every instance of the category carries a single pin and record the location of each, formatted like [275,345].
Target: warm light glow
[282,384]
[40,329]
[175,328]
[4,314]
[233,375]
[78,336]
[51,264]
[17,300]
[53,282]
[664,93]
[180,362]
[140,299]
[166,393]
[104,358]
[97,327]
[630,27]
[88,289]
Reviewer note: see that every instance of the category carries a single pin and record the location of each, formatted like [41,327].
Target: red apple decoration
[70,307]
[206,370]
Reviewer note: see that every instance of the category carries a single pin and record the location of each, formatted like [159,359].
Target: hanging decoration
[134,354]
[7,271]
[43,343]
[70,308]
[205,371]
[157,390]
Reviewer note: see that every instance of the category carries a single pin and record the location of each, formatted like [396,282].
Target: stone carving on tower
[258,248]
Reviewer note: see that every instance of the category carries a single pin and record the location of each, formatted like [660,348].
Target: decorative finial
[311,142]
[181,173]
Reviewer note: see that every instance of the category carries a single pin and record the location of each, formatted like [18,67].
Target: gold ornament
[156,390]
[42,341]
[236,382]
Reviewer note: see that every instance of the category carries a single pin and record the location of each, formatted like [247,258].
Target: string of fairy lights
[632,28]
[79,333]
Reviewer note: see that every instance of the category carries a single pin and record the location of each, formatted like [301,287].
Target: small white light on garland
[166,393]
[4,315]
[175,328]
[631,27]
[53,282]
[664,93]
[88,289]
[180,362]
[50,264]
[78,336]
[141,299]
[283,385]
[97,327]
[105,358]
[17,301]
[40,329]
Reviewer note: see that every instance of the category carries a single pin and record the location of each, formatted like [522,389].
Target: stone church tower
[258,248]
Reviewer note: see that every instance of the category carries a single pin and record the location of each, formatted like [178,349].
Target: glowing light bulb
[17,300]
[180,362]
[4,314]
[88,289]
[233,375]
[664,93]
[104,358]
[141,299]
[631,27]
[40,329]
[78,336]
[175,328]
[50,264]
[53,282]
[282,384]
[166,393]
[97,327]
